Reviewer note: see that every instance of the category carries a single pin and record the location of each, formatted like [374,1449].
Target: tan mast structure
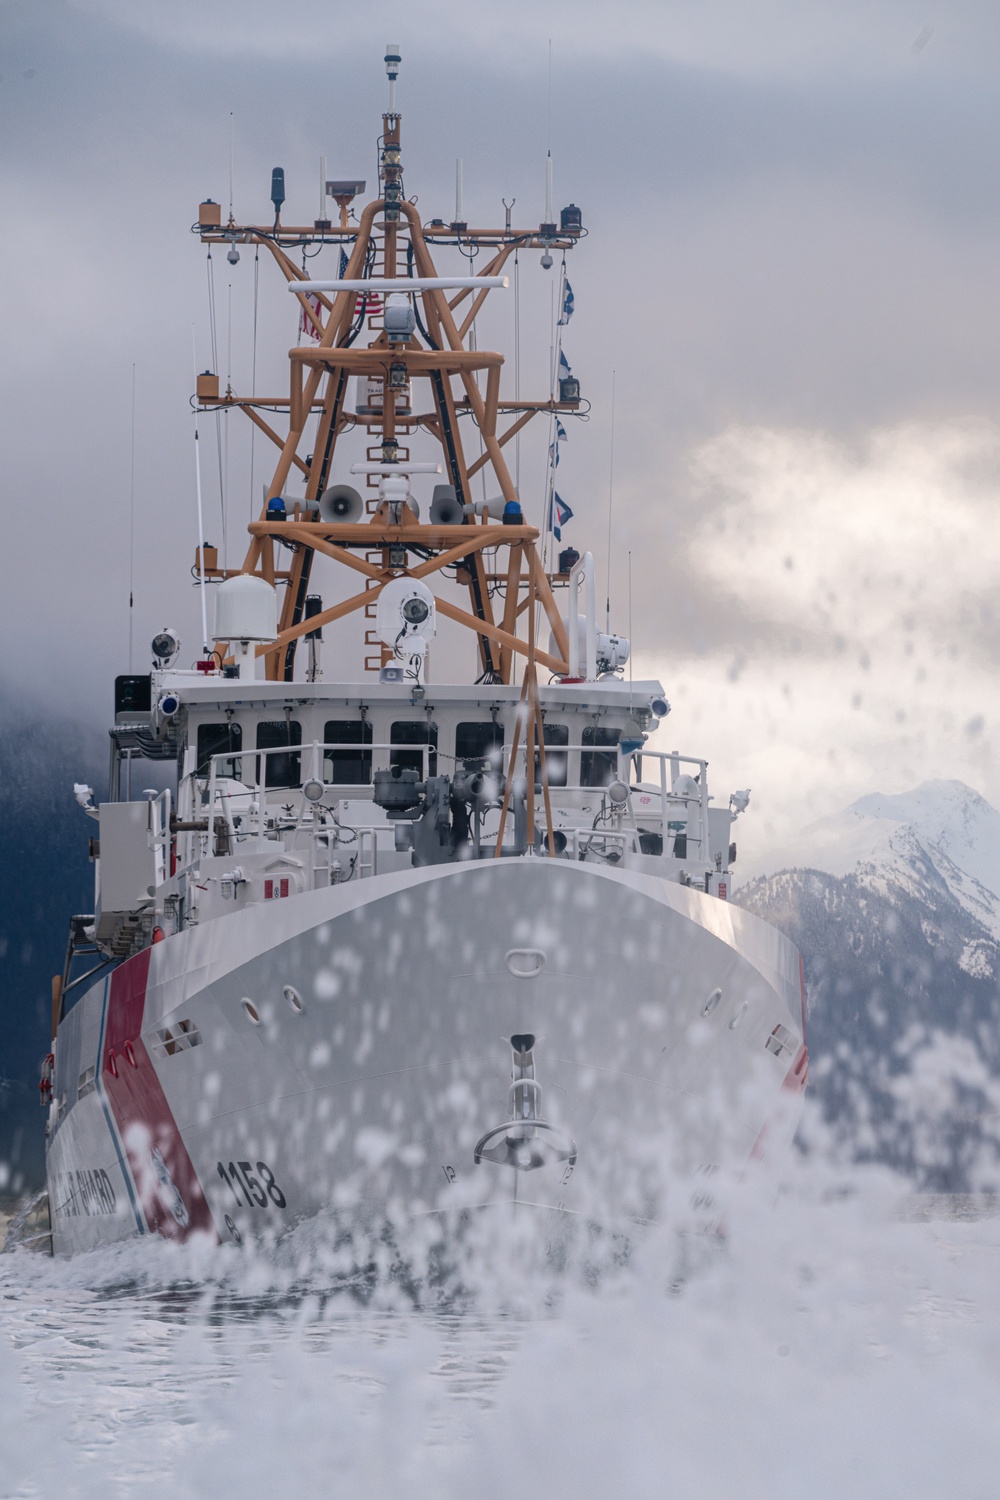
[319,376]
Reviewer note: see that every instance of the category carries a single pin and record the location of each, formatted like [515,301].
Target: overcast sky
[792,264]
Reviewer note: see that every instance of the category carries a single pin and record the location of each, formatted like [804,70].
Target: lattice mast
[426,352]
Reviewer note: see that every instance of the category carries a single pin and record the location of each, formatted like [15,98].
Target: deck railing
[252,812]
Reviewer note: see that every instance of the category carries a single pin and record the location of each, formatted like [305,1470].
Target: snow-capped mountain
[942,831]
[895,906]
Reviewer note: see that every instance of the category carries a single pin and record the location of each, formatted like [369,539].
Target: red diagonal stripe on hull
[166,1181]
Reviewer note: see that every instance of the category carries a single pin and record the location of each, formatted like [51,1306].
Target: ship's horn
[341,503]
[445,509]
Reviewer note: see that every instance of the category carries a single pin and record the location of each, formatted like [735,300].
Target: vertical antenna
[517,368]
[253,370]
[231,153]
[222,435]
[201,524]
[392,61]
[131,529]
[611,498]
[458,191]
[548,145]
[322,187]
[630,630]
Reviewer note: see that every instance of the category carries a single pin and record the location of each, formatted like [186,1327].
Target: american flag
[306,326]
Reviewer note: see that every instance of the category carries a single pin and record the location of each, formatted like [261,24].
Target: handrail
[251,799]
[159,834]
[674,761]
[257,792]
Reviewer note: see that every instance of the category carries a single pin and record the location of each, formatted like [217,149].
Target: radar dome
[246,609]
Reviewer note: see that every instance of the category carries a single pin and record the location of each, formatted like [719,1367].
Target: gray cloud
[793,231]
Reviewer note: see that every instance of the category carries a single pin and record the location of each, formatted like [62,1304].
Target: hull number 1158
[260,1191]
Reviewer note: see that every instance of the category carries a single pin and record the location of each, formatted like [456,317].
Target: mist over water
[836,1338]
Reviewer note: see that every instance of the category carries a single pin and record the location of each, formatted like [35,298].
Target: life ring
[45,1082]
[112,1064]
[129,1053]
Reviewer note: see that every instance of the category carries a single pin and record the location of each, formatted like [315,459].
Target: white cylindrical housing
[403,284]
[584,569]
[246,609]
[399,468]
[458,190]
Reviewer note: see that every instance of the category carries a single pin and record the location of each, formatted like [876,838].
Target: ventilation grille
[780,1041]
[176,1038]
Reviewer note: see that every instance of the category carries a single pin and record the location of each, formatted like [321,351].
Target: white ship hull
[350,1047]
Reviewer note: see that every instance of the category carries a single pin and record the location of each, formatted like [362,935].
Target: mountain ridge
[901,939]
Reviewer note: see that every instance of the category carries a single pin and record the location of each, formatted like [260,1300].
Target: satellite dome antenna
[392,61]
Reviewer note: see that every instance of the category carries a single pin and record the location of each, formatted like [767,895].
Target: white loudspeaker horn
[341,504]
[445,509]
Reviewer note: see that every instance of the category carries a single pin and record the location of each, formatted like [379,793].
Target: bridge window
[482,740]
[220,739]
[279,770]
[346,766]
[411,732]
[556,759]
[599,766]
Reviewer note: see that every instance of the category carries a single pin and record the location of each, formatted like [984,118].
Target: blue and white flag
[564,368]
[561,513]
[567,307]
[554,445]
[343,264]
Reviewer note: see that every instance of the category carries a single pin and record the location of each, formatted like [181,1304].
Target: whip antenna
[201,524]
[131,530]
[611,499]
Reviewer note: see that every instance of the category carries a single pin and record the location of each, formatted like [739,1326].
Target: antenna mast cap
[392,61]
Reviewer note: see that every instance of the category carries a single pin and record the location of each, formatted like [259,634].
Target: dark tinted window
[279,770]
[412,732]
[350,767]
[478,741]
[556,760]
[599,767]
[133,695]
[220,739]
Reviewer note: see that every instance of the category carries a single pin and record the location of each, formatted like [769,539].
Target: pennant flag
[561,513]
[554,445]
[564,368]
[567,307]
